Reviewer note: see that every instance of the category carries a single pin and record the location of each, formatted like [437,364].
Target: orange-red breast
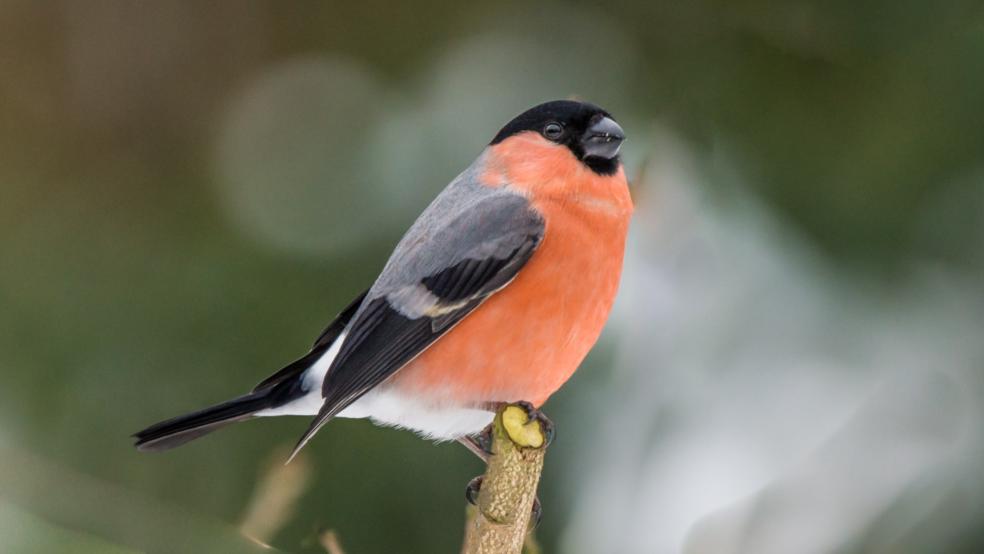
[495,294]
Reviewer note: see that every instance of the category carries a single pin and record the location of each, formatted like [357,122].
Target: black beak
[602,139]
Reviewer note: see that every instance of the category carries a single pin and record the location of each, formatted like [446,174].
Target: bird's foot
[484,439]
[475,487]
[472,490]
[533,415]
[536,515]
[479,444]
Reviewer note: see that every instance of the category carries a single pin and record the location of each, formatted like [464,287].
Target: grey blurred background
[189,191]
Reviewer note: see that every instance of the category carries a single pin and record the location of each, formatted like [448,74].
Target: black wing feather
[336,327]
[386,339]
[382,340]
[322,343]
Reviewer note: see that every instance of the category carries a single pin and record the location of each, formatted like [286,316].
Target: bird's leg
[478,444]
[484,440]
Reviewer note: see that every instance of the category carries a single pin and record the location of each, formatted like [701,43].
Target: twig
[498,524]
[275,498]
[329,541]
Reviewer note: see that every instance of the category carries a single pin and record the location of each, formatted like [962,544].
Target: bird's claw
[475,486]
[484,439]
[472,490]
[536,516]
[546,425]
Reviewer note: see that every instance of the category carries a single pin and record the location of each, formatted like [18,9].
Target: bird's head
[590,132]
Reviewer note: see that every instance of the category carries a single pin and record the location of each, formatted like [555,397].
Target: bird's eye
[553,130]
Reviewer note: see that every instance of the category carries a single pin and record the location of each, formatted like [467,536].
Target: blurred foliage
[165,167]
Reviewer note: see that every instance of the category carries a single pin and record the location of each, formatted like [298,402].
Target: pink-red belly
[525,341]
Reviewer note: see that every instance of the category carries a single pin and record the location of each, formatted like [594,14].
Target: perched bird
[495,294]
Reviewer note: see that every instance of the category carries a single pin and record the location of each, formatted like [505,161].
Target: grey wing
[436,277]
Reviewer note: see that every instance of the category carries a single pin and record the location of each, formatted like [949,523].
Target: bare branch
[499,523]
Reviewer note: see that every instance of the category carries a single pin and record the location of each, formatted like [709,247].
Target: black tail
[179,430]
[276,390]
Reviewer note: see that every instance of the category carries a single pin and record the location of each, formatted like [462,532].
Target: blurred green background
[190,191]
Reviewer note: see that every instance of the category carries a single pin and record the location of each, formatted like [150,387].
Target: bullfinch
[495,294]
